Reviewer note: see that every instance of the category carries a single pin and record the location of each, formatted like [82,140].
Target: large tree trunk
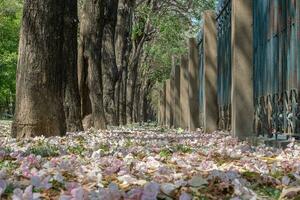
[122,49]
[39,98]
[71,92]
[91,32]
[109,66]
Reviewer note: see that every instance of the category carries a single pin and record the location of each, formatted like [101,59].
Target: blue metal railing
[224,62]
[276,32]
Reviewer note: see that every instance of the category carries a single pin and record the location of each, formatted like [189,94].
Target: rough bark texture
[132,81]
[39,98]
[71,92]
[109,66]
[91,31]
[122,49]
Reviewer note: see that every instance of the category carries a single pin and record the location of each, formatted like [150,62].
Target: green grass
[104,147]
[44,150]
[9,165]
[128,143]
[78,149]
[6,149]
[183,148]
[268,191]
[165,153]
[9,190]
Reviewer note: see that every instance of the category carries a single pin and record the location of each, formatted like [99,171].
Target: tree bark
[39,98]
[109,66]
[122,49]
[71,92]
[132,82]
[90,72]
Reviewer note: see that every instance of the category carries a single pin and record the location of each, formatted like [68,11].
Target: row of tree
[101,63]
[10,12]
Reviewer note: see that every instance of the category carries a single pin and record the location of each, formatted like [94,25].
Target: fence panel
[224,62]
[276,65]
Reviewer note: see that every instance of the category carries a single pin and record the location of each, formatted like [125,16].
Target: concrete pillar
[242,74]
[184,93]
[176,94]
[210,109]
[194,121]
[169,113]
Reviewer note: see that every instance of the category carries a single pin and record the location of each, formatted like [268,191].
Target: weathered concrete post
[193,81]
[176,94]
[184,93]
[242,70]
[210,107]
[168,104]
[162,106]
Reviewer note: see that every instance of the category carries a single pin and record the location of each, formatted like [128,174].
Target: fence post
[176,93]
[242,70]
[193,81]
[210,108]
[184,93]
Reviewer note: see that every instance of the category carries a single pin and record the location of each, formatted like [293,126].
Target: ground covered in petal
[146,163]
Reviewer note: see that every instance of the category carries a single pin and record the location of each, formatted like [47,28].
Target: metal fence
[276,32]
[224,63]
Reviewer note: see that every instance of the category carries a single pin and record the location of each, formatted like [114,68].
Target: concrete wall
[193,81]
[184,93]
[242,74]
[210,70]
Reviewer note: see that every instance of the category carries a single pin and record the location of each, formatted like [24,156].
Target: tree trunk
[91,32]
[39,98]
[71,92]
[122,49]
[109,66]
[131,89]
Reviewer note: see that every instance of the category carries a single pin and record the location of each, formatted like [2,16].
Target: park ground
[145,162]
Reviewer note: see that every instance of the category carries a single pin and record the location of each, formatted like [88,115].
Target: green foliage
[9,190]
[128,143]
[78,149]
[173,23]
[9,165]
[58,186]
[10,15]
[44,150]
[6,150]
[104,147]
[165,153]
[183,148]
[268,191]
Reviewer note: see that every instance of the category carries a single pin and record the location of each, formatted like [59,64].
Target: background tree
[89,64]
[70,83]
[109,66]
[10,15]
[170,23]
[122,49]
